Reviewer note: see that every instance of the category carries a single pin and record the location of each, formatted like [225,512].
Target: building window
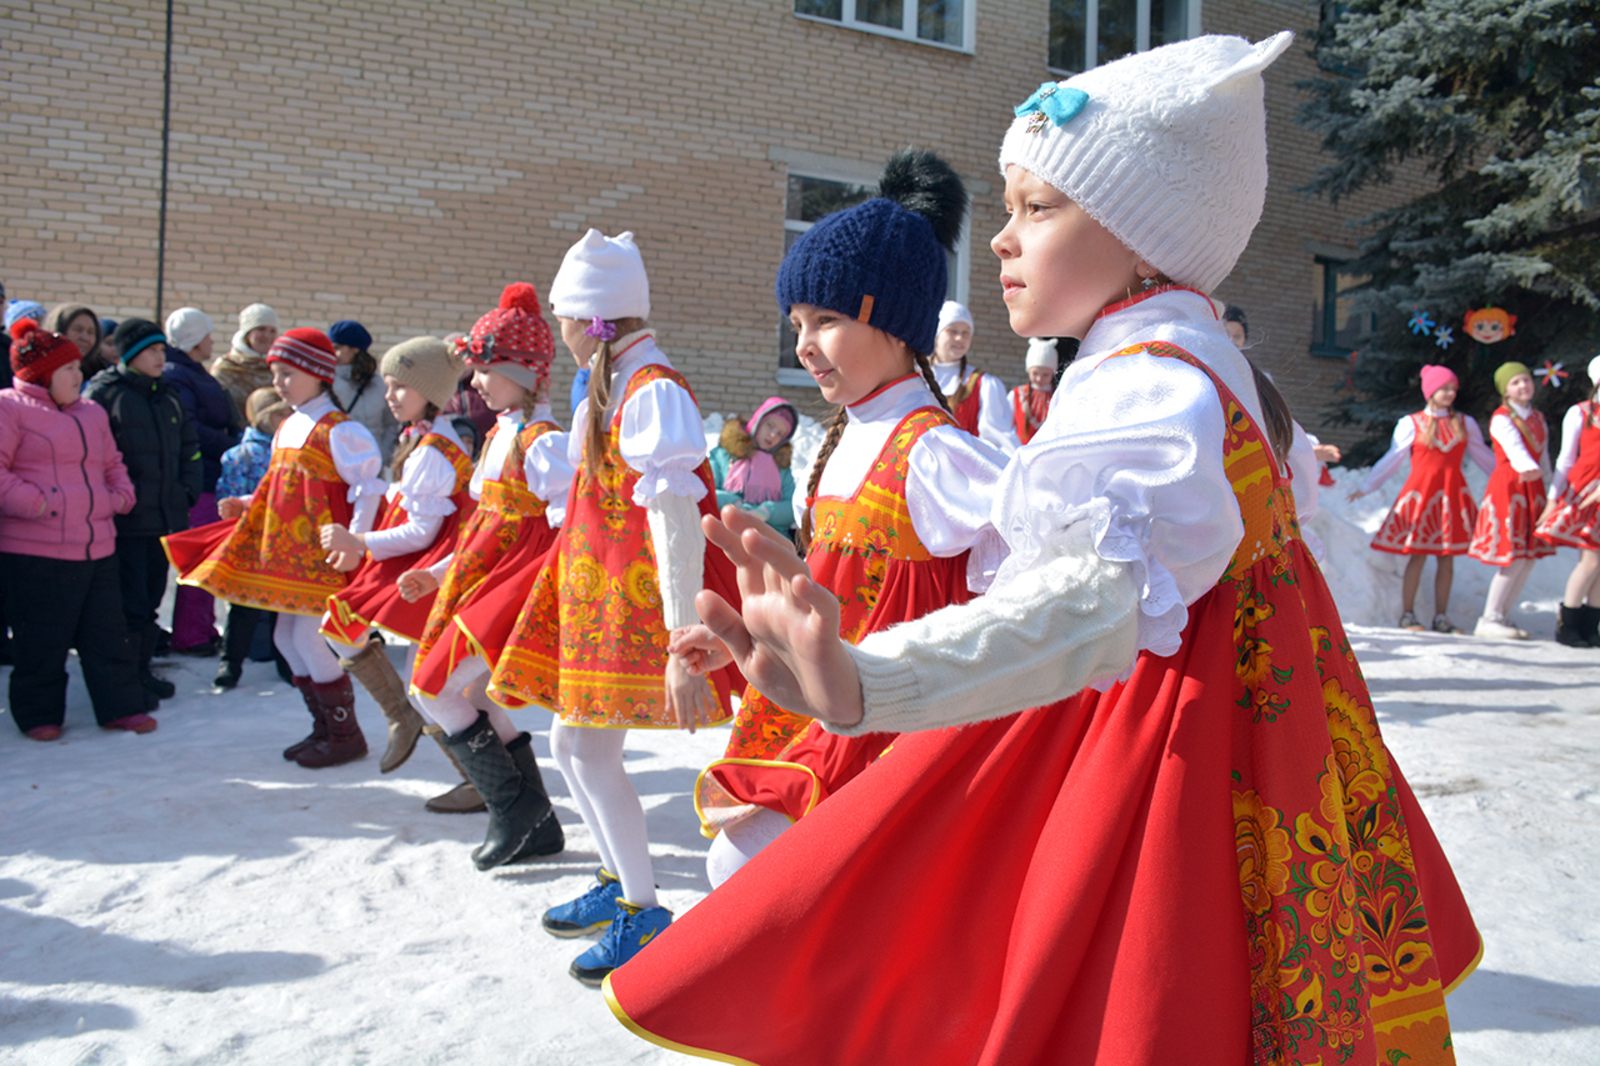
[1337,329]
[1087,33]
[810,198]
[945,22]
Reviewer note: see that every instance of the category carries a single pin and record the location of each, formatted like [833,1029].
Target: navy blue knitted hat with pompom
[883,262]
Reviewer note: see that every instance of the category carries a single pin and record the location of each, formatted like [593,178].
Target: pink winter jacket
[61,476]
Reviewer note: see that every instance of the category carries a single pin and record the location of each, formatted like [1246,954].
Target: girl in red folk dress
[1194,848]
[891,521]
[1435,512]
[416,528]
[1571,514]
[1030,401]
[1513,502]
[591,641]
[266,551]
[521,485]
[977,400]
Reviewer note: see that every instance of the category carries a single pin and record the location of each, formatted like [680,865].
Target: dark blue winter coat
[210,408]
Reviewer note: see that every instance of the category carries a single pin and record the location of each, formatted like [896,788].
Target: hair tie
[600,329]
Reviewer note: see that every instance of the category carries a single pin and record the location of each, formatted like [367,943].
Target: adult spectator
[243,369]
[357,388]
[103,355]
[77,323]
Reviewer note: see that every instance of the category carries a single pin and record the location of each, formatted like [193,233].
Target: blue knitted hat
[349,331]
[883,262]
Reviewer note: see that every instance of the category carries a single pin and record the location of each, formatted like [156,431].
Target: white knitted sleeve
[680,550]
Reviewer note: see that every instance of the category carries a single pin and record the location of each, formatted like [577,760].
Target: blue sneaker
[632,928]
[591,911]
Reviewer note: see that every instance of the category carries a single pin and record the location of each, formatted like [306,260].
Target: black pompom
[920,181]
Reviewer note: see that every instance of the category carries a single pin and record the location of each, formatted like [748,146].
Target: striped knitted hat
[305,349]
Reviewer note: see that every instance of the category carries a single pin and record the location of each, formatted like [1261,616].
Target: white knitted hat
[426,364]
[1594,370]
[1041,352]
[187,327]
[951,313]
[601,276]
[1167,149]
[257,315]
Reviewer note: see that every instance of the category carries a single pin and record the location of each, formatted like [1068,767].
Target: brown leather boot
[464,798]
[371,667]
[319,728]
[344,742]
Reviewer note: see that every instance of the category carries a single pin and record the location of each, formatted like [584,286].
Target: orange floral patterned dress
[270,557]
[589,642]
[1511,507]
[372,599]
[865,549]
[504,539]
[1214,862]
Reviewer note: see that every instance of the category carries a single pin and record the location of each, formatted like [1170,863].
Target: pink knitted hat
[1435,378]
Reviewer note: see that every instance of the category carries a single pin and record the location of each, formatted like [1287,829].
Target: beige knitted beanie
[1167,149]
[425,364]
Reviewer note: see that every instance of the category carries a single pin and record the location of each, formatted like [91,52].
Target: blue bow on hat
[1055,102]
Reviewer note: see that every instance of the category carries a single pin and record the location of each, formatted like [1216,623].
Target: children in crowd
[243,467]
[243,369]
[1513,502]
[266,552]
[751,464]
[521,485]
[1194,847]
[1030,401]
[357,388]
[159,446]
[1434,514]
[1570,515]
[889,521]
[61,482]
[417,527]
[217,424]
[978,400]
[592,640]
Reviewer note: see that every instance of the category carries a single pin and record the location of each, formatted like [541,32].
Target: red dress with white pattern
[1564,520]
[1435,512]
[1511,507]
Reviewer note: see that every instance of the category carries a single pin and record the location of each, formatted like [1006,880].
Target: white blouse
[950,478]
[1405,434]
[355,456]
[996,426]
[427,481]
[1571,430]
[368,406]
[1505,432]
[546,465]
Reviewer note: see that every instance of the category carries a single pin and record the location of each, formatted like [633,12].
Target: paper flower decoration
[1553,375]
[1442,336]
[1420,321]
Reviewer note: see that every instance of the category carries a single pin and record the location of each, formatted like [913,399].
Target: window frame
[1141,43]
[908,31]
[1332,268]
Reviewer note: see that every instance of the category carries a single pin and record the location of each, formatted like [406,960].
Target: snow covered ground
[190,897]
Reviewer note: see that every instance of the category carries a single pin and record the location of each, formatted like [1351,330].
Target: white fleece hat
[951,313]
[1594,370]
[1041,352]
[257,315]
[601,276]
[1167,149]
[187,327]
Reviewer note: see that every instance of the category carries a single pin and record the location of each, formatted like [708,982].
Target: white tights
[1505,588]
[591,761]
[464,694]
[299,638]
[738,843]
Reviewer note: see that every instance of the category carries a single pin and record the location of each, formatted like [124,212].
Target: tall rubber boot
[371,667]
[464,798]
[344,742]
[517,814]
[548,839]
[319,727]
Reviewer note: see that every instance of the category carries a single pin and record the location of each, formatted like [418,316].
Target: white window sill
[884,31]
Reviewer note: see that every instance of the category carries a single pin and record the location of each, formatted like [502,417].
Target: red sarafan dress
[271,556]
[1511,507]
[589,641]
[1029,408]
[498,552]
[372,599]
[866,551]
[1565,521]
[1213,862]
[1435,513]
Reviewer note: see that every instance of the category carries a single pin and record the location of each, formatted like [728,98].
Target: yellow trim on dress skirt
[710,833]
[1470,969]
[661,1041]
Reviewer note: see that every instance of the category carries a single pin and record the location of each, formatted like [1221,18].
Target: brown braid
[406,446]
[964,387]
[600,396]
[830,442]
[1275,413]
[924,365]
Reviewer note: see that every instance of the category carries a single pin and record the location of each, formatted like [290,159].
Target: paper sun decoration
[1490,325]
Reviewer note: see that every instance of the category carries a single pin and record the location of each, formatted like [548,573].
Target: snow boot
[145,645]
[228,672]
[464,798]
[519,817]
[344,742]
[371,667]
[1589,624]
[547,839]
[1569,627]
[319,728]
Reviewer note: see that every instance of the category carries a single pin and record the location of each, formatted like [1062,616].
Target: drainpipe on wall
[166,134]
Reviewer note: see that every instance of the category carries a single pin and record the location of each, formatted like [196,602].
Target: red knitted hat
[514,332]
[37,353]
[305,349]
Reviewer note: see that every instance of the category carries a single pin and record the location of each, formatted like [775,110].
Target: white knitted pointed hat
[1167,149]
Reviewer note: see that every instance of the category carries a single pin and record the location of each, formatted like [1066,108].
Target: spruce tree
[1500,101]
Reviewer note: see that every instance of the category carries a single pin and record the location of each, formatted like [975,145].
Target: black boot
[1568,630]
[1589,625]
[547,839]
[146,638]
[517,814]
